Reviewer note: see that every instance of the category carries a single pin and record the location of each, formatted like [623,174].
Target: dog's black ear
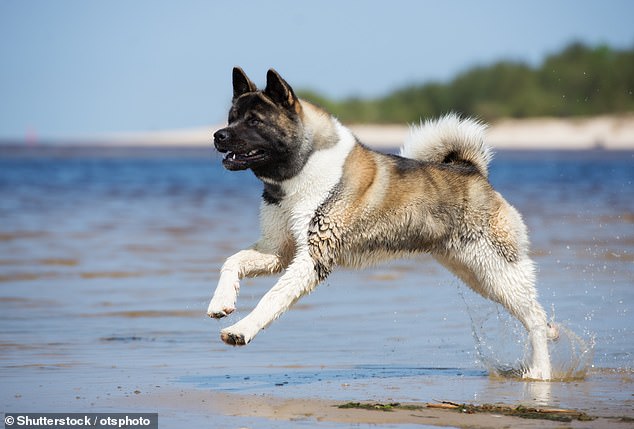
[278,90]
[241,83]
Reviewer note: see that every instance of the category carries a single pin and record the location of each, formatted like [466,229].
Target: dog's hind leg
[510,284]
[299,279]
[513,286]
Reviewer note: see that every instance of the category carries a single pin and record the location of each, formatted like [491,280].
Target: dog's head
[264,131]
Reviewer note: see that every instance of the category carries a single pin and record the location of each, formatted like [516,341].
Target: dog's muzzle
[220,138]
[238,155]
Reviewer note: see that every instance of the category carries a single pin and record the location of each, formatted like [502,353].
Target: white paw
[219,312]
[234,336]
[535,373]
[221,306]
[218,309]
[223,302]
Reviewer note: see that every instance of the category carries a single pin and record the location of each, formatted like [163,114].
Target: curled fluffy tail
[449,139]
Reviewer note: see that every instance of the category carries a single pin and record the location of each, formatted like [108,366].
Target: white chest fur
[304,193]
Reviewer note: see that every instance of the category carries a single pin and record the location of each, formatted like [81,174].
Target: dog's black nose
[221,135]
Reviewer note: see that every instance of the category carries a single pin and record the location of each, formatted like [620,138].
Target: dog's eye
[253,122]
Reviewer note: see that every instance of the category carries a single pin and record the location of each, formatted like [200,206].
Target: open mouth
[239,161]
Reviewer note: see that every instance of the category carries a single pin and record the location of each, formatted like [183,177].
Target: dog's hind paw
[541,374]
[232,339]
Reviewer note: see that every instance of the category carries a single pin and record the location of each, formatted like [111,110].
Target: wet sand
[268,410]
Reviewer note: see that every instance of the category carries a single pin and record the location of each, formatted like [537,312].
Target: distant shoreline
[601,132]
[610,132]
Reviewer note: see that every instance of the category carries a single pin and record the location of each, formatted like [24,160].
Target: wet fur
[330,201]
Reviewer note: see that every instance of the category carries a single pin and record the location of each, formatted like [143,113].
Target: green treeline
[580,80]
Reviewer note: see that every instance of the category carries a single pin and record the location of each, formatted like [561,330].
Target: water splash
[503,348]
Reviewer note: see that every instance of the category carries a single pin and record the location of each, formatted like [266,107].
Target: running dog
[328,200]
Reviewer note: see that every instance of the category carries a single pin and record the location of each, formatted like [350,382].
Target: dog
[330,201]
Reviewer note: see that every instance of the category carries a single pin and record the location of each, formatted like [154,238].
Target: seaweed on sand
[555,414]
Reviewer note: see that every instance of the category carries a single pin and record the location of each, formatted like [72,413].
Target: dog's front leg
[299,279]
[246,263]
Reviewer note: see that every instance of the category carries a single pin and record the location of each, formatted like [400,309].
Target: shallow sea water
[108,259]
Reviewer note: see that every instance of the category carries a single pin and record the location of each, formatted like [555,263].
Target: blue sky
[76,67]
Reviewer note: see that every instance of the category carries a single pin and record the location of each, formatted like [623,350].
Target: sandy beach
[270,410]
[605,132]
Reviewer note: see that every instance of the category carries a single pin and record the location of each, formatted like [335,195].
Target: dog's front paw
[233,338]
[221,306]
[219,311]
[223,302]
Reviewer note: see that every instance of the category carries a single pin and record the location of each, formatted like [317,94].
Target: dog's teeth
[233,156]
